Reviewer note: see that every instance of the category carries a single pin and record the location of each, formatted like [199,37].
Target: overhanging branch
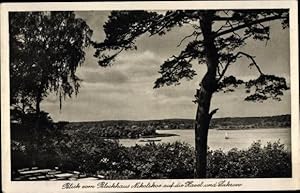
[212,113]
[224,70]
[252,59]
[234,58]
[249,24]
[186,37]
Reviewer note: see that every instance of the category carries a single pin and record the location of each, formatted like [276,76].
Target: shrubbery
[88,154]
[271,160]
[164,160]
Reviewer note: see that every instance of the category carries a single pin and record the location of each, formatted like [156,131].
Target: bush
[38,149]
[271,160]
[90,154]
[165,160]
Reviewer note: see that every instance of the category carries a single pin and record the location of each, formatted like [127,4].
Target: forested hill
[217,123]
[252,122]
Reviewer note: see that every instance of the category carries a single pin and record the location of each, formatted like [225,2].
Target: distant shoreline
[233,129]
[257,128]
[169,119]
[231,123]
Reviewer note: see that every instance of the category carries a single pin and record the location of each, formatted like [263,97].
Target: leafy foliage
[161,160]
[174,70]
[121,30]
[26,122]
[266,86]
[45,50]
[256,161]
[260,89]
[89,154]
[229,81]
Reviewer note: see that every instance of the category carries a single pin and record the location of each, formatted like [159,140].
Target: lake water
[240,139]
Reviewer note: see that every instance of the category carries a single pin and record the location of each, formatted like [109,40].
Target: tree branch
[236,56]
[252,59]
[167,18]
[223,26]
[225,69]
[188,36]
[219,18]
[231,26]
[212,113]
[249,24]
[218,71]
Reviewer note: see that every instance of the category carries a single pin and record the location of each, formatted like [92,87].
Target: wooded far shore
[279,121]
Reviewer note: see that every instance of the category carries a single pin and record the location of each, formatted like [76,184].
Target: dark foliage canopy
[45,50]
[231,30]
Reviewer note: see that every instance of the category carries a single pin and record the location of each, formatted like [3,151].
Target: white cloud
[103,75]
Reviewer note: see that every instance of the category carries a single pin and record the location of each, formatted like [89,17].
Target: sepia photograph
[120,94]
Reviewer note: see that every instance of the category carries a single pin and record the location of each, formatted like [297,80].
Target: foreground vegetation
[87,153]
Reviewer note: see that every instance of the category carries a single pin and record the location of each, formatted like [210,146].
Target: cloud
[175,92]
[128,67]
[103,75]
[141,64]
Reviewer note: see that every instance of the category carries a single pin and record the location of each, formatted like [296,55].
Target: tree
[45,50]
[216,39]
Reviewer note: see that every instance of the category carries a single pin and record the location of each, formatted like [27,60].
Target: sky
[125,91]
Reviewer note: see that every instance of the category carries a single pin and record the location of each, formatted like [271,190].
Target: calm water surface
[240,139]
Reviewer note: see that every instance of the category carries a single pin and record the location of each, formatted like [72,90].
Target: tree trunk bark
[37,112]
[37,105]
[207,87]
[201,131]
[36,128]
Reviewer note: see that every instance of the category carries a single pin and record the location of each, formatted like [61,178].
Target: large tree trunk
[201,131]
[207,87]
